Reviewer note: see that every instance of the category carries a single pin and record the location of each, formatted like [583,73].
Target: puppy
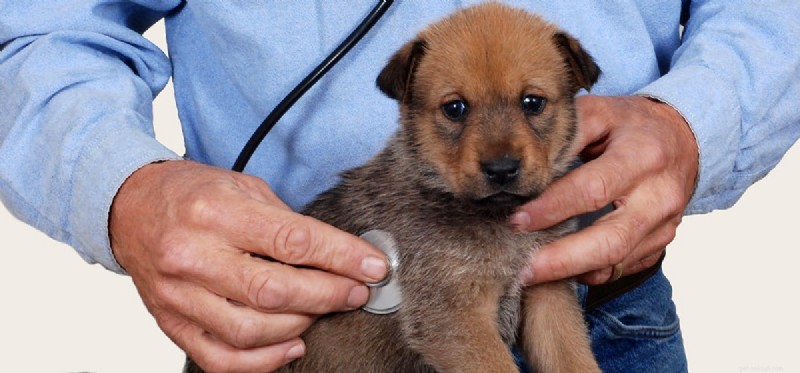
[487,122]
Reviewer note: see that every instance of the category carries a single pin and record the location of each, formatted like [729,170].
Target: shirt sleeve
[78,81]
[736,80]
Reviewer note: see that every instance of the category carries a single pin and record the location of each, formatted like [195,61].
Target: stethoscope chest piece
[385,296]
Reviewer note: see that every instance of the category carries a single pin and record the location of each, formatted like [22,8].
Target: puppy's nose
[501,171]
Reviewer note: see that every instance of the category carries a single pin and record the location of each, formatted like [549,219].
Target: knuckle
[654,153]
[644,263]
[616,243]
[292,242]
[674,203]
[246,182]
[169,324]
[636,220]
[267,292]
[557,268]
[334,297]
[176,257]
[650,261]
[214,362]
[597,191]
[667,236]
[202,210]
[598,277]
[251,180]
[257,183]
[246,333]
[166,297]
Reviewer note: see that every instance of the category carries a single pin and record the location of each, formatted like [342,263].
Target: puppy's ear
[396,77]
[580,62]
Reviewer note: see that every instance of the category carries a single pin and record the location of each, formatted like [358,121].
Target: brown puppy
[488,118]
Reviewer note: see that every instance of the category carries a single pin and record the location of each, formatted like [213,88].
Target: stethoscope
[269,122]
[385,295]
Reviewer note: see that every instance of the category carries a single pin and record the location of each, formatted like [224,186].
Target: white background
[732,273]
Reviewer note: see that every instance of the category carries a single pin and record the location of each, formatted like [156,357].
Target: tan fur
[459,259]
[554,336]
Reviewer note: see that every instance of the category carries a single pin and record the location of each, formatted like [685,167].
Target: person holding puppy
[679,123]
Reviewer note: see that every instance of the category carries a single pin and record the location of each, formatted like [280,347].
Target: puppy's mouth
[503,200]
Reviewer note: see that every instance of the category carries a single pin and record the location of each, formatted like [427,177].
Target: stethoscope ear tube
[269,122]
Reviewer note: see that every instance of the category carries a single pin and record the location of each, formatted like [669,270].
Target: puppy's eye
[455,110]
[533,105]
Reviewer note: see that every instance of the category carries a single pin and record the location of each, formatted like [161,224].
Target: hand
[187,234]
[642,157]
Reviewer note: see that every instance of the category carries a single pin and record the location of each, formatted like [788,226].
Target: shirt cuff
[110,157]
[710,106]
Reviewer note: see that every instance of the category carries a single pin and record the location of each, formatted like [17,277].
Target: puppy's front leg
[460,337]
[554,337]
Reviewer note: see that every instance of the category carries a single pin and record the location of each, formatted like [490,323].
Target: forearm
[734,79]
[77,121]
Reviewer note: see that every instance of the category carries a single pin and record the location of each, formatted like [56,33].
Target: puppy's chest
[444,269]
[450,252]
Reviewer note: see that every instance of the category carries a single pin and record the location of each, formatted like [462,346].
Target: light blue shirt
[77,81]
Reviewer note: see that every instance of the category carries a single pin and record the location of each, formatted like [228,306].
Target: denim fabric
[637,332]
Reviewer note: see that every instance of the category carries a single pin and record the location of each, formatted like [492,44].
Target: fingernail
[374,268]
[295,352]
[359,296]
[520,221]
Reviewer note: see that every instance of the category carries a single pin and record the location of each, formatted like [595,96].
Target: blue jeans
[637,332]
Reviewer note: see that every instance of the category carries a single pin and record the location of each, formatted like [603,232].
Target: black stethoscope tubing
[269,122]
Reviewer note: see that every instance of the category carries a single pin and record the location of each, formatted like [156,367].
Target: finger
[586,189]
[605,275]
[641,225]
[640,264]
[293,239]
[644,256]
[596,247]
[213,355]
[607,242]
[237,326]
[276,287]
[598,277]
[303,240]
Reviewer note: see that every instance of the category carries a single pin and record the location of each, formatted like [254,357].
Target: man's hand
[187,234]
[642,157]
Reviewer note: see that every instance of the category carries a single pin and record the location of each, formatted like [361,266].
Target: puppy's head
[487,103]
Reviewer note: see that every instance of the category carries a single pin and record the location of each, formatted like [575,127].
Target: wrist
[132,197]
